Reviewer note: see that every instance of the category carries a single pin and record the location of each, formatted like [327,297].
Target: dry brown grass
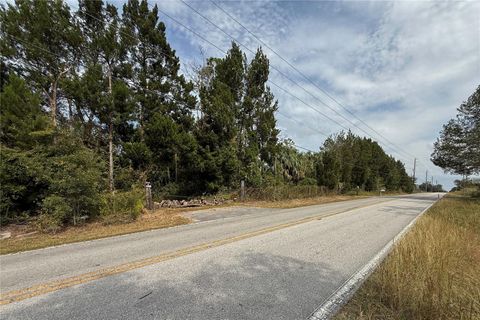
[433,273]
[160,219]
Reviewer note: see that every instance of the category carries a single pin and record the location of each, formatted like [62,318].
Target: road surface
[260,264]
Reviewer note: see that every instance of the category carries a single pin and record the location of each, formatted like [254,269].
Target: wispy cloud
[403,67]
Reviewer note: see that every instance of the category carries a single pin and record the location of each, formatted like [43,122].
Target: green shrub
[75,180]
[22,185]
[166,191]
[47,223]
[125,178]
[284,192]
[351,192]
[62,179]
[308,182]
[121,207]
[53,214]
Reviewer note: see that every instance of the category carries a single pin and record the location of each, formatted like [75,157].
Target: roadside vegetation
[25,237]
[93,106]
[433,272]
[29,236]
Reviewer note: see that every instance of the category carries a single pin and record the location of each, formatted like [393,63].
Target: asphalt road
[262,264]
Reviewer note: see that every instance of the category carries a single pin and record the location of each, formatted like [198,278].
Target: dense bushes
[123,206]
[48,174]
[60,184]
[74,175]
[285,192]
[61,180]
[20,189]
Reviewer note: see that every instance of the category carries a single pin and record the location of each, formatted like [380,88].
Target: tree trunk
[110,153]
[70,111]
[176,168]
[110,134]
[53,103]
[140,123]
[141,111]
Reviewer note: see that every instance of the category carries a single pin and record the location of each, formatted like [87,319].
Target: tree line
[93,105]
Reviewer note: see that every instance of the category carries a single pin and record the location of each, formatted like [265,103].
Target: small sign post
[242,190]
[148,195]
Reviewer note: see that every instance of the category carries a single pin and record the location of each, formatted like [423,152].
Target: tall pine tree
[163,99]
[40,41]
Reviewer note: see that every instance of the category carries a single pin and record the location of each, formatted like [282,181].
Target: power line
[302,124]
[148,90]
[306,77]
[217,47]
[225,52]
[306,149]
[166,55]
[270,81]
[297,146]
[285,76]
[253,52]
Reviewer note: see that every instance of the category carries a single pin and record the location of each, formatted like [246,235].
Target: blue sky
[402,67]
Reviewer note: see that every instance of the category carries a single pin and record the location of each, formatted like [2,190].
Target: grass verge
[432,273]
[90,231]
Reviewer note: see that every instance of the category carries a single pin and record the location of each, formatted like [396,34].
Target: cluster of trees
[349,162]
[93,104]
[457,150]
[467,183]
[429,187]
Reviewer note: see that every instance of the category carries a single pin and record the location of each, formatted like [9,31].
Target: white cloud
[403,67]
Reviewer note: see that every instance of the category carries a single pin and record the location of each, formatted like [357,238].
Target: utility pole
[426,180]
[242,190]
[414,168]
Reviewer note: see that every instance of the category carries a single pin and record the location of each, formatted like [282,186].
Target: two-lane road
[262,265]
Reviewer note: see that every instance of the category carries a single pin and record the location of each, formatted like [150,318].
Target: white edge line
[336,300]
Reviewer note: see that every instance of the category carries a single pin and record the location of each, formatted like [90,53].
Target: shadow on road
[423,197]
[402,210]
[251,286]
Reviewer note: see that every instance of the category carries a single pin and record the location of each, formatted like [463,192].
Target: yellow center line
[40,289]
